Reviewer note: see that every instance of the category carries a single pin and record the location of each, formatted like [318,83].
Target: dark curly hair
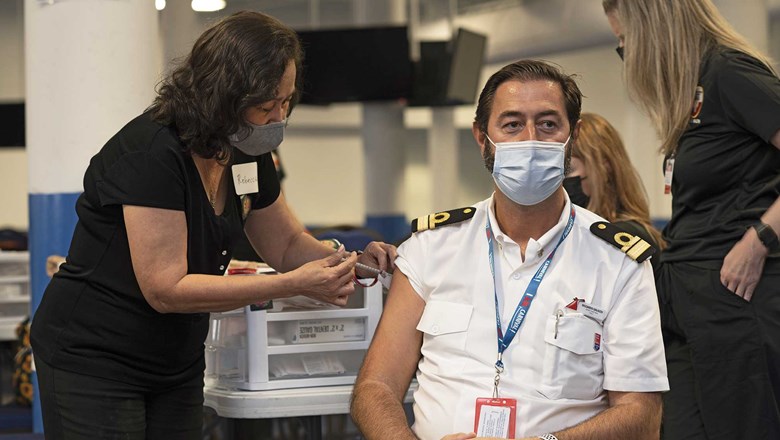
[234,65]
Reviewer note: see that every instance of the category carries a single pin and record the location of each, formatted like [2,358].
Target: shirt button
[538,254]
[224,252]
[516,276]
[222,267]
[435,329]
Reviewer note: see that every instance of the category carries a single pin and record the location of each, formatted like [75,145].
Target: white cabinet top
[14,256]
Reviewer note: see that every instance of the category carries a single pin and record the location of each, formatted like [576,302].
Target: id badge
[495,417]
[669,170]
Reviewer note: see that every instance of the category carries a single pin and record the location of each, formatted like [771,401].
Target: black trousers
[76,406]
[722,352]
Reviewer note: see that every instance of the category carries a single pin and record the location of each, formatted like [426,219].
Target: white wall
[11,51]
[13,188]
[323,154]
[323,159]
[13,161]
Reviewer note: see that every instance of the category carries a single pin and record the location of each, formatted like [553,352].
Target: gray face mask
[259,139]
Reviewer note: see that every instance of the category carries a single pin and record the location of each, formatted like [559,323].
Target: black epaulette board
[634,246]
[432,221]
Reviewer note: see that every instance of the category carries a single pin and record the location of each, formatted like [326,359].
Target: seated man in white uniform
[523,316]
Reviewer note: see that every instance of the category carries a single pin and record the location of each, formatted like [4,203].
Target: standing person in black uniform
[118,337]
[602,180]
[715,101]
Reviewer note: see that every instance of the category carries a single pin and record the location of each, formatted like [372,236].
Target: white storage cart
[249,349]
[14,291]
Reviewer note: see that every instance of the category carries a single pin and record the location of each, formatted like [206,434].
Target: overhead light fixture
[208,5]
[159,4]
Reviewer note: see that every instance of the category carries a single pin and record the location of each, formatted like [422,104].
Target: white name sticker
[592,312]
[245,178]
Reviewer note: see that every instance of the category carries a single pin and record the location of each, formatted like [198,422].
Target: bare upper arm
[395,350]
[158,250]
[271,229]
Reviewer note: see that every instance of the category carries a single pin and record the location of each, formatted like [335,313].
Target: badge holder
[495,416]
[668,172]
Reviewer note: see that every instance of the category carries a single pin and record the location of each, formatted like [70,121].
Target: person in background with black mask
[602,180]
[118,337]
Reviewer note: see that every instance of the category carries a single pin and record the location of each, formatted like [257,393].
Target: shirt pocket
[573,358]
[444,326]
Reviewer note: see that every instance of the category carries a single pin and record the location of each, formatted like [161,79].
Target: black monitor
[12,124]
[448,72]
[356,65]
[468,55]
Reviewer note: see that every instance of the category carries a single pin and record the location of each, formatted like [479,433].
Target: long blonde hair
[616,190]
[665,43]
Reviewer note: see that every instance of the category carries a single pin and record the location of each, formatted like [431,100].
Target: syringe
[373,270]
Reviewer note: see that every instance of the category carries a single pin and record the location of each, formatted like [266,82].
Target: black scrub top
[93,318]
[726,173]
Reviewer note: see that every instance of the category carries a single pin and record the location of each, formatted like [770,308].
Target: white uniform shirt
[558,381]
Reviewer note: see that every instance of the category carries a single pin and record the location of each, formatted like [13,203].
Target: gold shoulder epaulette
[431,221]
[632,245]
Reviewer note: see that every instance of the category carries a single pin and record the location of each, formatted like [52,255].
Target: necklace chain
[213,192]
[212,188]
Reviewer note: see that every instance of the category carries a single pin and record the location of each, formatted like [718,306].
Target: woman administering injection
[118,337]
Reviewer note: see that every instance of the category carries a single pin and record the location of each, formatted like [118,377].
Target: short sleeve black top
[93,318]
[726,173]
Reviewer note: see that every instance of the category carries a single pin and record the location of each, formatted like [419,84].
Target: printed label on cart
[328,330]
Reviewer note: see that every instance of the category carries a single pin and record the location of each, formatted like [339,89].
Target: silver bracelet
[548,436]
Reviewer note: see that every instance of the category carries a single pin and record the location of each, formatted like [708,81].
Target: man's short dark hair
[530,70]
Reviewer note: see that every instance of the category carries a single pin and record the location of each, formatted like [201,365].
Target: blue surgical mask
[259,139]
[528,172]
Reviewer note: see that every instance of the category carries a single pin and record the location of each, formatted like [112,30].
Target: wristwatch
[768,237]
[333,242]
[548,437]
